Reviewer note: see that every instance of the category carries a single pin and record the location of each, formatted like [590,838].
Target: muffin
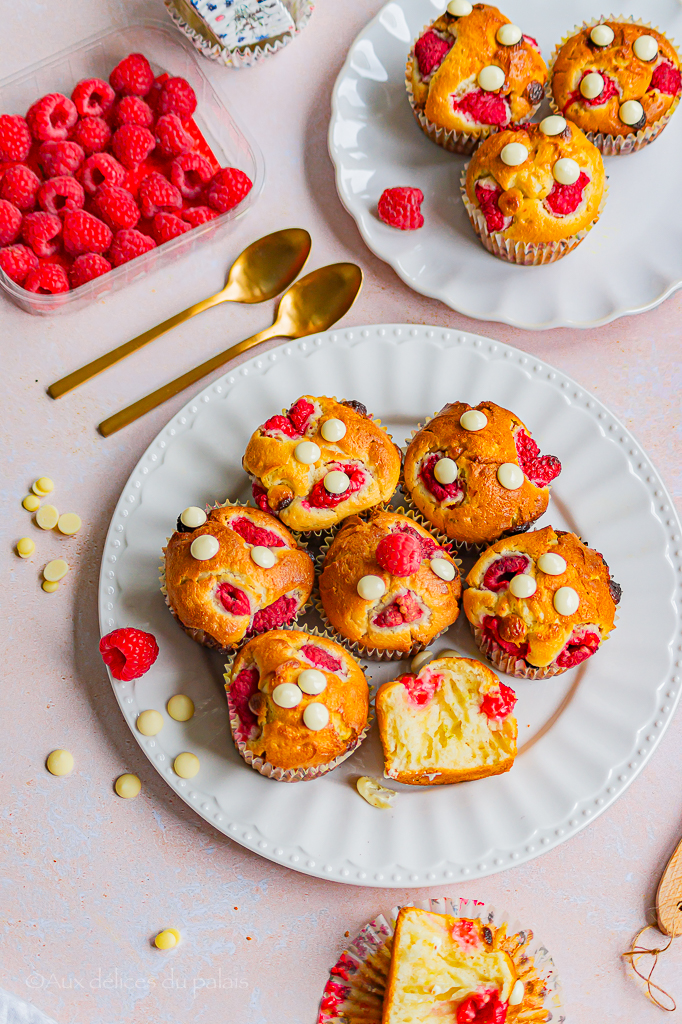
[476,473]
[387,585]
[298,704]
[232,573]
[533,194]
[540,603]
[320,462]
[619,81]
[472,72]
[452,722]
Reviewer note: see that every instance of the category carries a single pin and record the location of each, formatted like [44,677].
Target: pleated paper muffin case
[354,993]
[615,145]
[264,767]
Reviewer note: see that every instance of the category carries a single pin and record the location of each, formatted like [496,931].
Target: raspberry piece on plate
[92,133]
[17,260]
[133,110]
[666,78]
[228,187]
[499,575]
[93,97]
[60,158]
[85,233]
[233,600]
[157,195]
[59,195]
[128,652]
[167,226]
[540,470]
[197,215]
[10,222]
[177,97]
[500,703]
[171,135]
[132,144]
[86,267]
[19,186]
[400,208]
[116,207]
[132,76]
[15,138]
[565,199]
[430,52]
[47,279]
[279,613]
[100,169]
[39,231]
[128,244]
[51,117]
[399,553]
[488,200]
[189,173]
[256,535]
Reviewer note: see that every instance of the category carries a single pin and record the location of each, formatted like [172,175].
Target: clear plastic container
[167,51]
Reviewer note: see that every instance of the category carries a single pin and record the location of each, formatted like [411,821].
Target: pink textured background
[86,879]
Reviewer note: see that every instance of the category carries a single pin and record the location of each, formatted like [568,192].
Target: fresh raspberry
[242,690]
[482,1008]
[198,215]
[399,553]
[429,548]
[578,649]
[132,144]
[540,470]
[256,535]
[132,76]
[116,207]
[488,201]
[452,493]
[128,244]
[59,195]
[47,279]
[323,659]
[171,136]
[491,628]
[133,110]
[260,496]
[565,199]
[100,169]
[10,222]
[128,652]
[51,117]
[39,229]
[400,208]
[320,497]
[177,97]
[157,195]
[92,133]
[85,233]
[420,689]
[300,414]
[17,260]
[502,571]
[152,97]
[167,226]
[430,52]
[279,613]
[20,186]
[483,107]
[279,425]
[189,173]
[233,600]
[93,97]
[666,78]
[60,158]
[499,703]
[86,267]
[15,138]
[228,187]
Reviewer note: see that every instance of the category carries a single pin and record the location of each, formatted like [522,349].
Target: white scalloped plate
[630,262]
[584,736]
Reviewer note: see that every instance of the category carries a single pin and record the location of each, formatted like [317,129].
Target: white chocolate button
[491,78]
[287,695]
[55,570]
[444,569]
[186,765]
[459,8]
[445,471]
[509,35]
[566,171]
[50,587]
[517,993]
[551,564]
[336,482]
[371,588]
[473,419]
[419,660]
[374,793]
[193,517]
[69,523]
[127,786]
[43,486]
[510,476]
[513,154]
[59,762]
[312,681]
[307,452]
[449,653]
[204,547]
[167,939]
[602,35]
[566,601]
[25,547]
[316,716]
[149,723]
[523,585]
[645,47]
[263,557]
[592,85]
[553,124]
[47,517]
[180,707]
[631,112]
[333,430]
[31,503]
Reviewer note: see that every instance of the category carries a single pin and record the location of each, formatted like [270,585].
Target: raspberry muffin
[533,194]
[298,703]
[540,603]
[450,723]
[472,72]
[619,81]
[387,585]
[320,462]
[477,474]
[232,573]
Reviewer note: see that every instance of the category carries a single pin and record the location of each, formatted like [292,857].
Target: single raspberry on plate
[400,208]
[128,244]
[499,703]
[256,535]
[86,267]
[233,600]
[51,117]
[47,279]
[133,110]
[59,195]
[116,207]
[17,260]
[430,52]
[132,144]
[132,76]
[177,97]
[171,136]
[15,138]
[10,222]
[156,194]
[228,187]
[197,215]
[488,200]
[100,169]
[39,230]
[540,469]
[565,199]
[85,233]
[399,553]
[190,172]
[128,652]
[20,186]
[93,97]
[166,226]
[92,133]
[280,613]
[60,158]
[499,575]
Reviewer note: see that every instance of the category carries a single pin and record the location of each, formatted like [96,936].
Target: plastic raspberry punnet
[227,189]
[16,261]
[59,195]
[47,279]
[51,117]
[100,169]
[157,195]
[399,553]
[167,226]
[128,652]
[171,136]
[92,133]
[10,222]
[400,208]
[177,97]
[128,244]
[85,233]
[93,97]
[197,215]
[86,267]
[19,186]
[132,144]
[15,138]
[60,158]
[39,230]
[116,207]
[132,76]
[190,172]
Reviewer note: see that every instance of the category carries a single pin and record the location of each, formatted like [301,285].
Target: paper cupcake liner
[354,993]
[614,145]
[269,770]
[248,56]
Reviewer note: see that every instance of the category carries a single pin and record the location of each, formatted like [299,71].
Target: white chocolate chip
[631,112]
[602,35]
[307,452]
[459,8]
[566,171]
[43,485]
[443,569]
[193,517]
[374,793]
[445,471]
[473,419]
[186,765]
[312,681]
[336,482]
[149,723]
[287,695]
[517,993]
[47,517]
[551,564]
[523,585]
[204,547]
[509,35]
[513,154]
[55,570]
[592,85]
[553,124]
[449,653]
[419,660]
[645,47]
[371,588]
[566,601]
[69,523]
[491,78]
[263,557]
[59,762]
[180,707]
[510,476]
[127,786]
[316,716]
[333,430]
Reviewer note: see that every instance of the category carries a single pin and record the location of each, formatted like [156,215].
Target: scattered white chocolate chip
[371,588]
[449,653]
[336,482]
[69,523]
[513,154]
[333,430]
[287,695]
[47,517]
[491,78]
[645,47]
[49,587]
[25,547]
[510,476]
[55,570]
[523,585]
[444,569]
[31,503]
[204,547]
[307,452]
[631,112]
[566,601]
[445,471]
[509,35]
[551,564]
[59,762]
[473,419]
[180,707]
[459,8]
[263,557]
[419,660]
[374,793]
[43,486]
[312,681]
[316,716]
[193,517]
[517,993]
[553,124]
[592,85]
[566,171]
[150,722]
[127,786]
[167,939]
[602,35]
[186,765]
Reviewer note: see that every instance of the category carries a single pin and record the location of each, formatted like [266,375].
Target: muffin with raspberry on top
[541,603]
[472,72]
[320,461]
[477,474]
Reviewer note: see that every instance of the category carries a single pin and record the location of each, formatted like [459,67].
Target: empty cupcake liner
[354,993]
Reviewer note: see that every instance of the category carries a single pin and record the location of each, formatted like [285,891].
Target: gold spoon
[263,270]
[311,305]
